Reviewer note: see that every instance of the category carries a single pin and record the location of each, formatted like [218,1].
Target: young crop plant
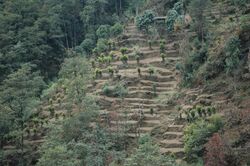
[163,56]
[124,59]
[139,72]
[151,71]
[124,50]
[162,48]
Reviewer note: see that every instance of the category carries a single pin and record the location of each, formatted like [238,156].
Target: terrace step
[171,143]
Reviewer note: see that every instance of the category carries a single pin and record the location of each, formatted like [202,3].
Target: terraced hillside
[140,111]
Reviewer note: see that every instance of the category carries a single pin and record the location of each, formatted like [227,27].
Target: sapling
[139,72]
[163,56]
[123,50]
[151,111]
[151,71]
[124,59]
[162,48]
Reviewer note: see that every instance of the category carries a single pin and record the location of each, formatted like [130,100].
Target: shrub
[88,45]
[124,50]
[103,31]
[162,48]
[102,45]
[145,20]
[172,16]
[124,59]
[116,29]
[107,59]
[163,56]
[232,53]
[118,90]
[151,71]
[111,44]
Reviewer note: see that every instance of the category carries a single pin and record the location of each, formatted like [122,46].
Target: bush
[116,29]
[124,50]
[103,31]
[118,90]
[102,45]
[124,59]
[145,20]
[172,16]
[151,71]
[163,56]
[88,45]
[162,48]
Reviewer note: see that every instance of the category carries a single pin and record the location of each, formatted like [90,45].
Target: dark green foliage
[197,9]
[116,29]
[103,31]
[145,20]
[88,45]
[232,52]
[172,16]
[19,95]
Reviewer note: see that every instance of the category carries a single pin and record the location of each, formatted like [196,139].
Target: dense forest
[125,82]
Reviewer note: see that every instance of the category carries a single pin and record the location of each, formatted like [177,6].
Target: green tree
[75,75]
[20,94]
[197,9]
[145,20]
[148,154]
